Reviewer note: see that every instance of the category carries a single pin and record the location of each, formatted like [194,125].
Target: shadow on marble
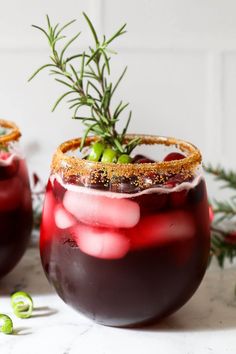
[213,306]
[28,275]
[22,331]
[44,311]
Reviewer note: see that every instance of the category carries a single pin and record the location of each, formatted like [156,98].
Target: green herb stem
[86,75]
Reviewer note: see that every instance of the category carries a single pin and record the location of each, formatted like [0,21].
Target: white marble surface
[207,324]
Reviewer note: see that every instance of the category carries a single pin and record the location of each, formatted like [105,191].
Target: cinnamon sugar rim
[72,165]
[13,135]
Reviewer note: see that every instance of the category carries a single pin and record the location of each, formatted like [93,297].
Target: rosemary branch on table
[223,245]
[86,76]
[223,228]
[220,174]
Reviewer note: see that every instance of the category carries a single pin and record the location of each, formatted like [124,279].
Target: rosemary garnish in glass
[86,76]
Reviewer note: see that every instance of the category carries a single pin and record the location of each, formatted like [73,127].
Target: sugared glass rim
[73,165]
[14,133]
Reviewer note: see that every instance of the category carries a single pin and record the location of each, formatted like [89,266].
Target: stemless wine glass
[125,244]
[15,199]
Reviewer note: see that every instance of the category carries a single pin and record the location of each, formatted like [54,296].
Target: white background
[181,80]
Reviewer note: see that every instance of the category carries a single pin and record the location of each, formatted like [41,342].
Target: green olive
[124,159]
[96,152]
[109,155]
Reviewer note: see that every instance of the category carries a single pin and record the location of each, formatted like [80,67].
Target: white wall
[181,79]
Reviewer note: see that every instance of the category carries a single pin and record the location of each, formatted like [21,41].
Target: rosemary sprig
[224,209]
[86,77]
[228,177]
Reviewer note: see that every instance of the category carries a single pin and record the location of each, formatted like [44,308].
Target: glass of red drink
[126,244]
[15,199]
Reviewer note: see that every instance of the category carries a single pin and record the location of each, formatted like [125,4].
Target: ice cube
[10,194]
[162,228]
[48,223]
[100,210]
[100,242]
[63,219]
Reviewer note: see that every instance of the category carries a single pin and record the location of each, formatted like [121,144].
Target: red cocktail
[15,199]
[125,244]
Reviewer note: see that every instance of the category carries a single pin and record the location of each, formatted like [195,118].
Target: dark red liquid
[130,275]
[15,213]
